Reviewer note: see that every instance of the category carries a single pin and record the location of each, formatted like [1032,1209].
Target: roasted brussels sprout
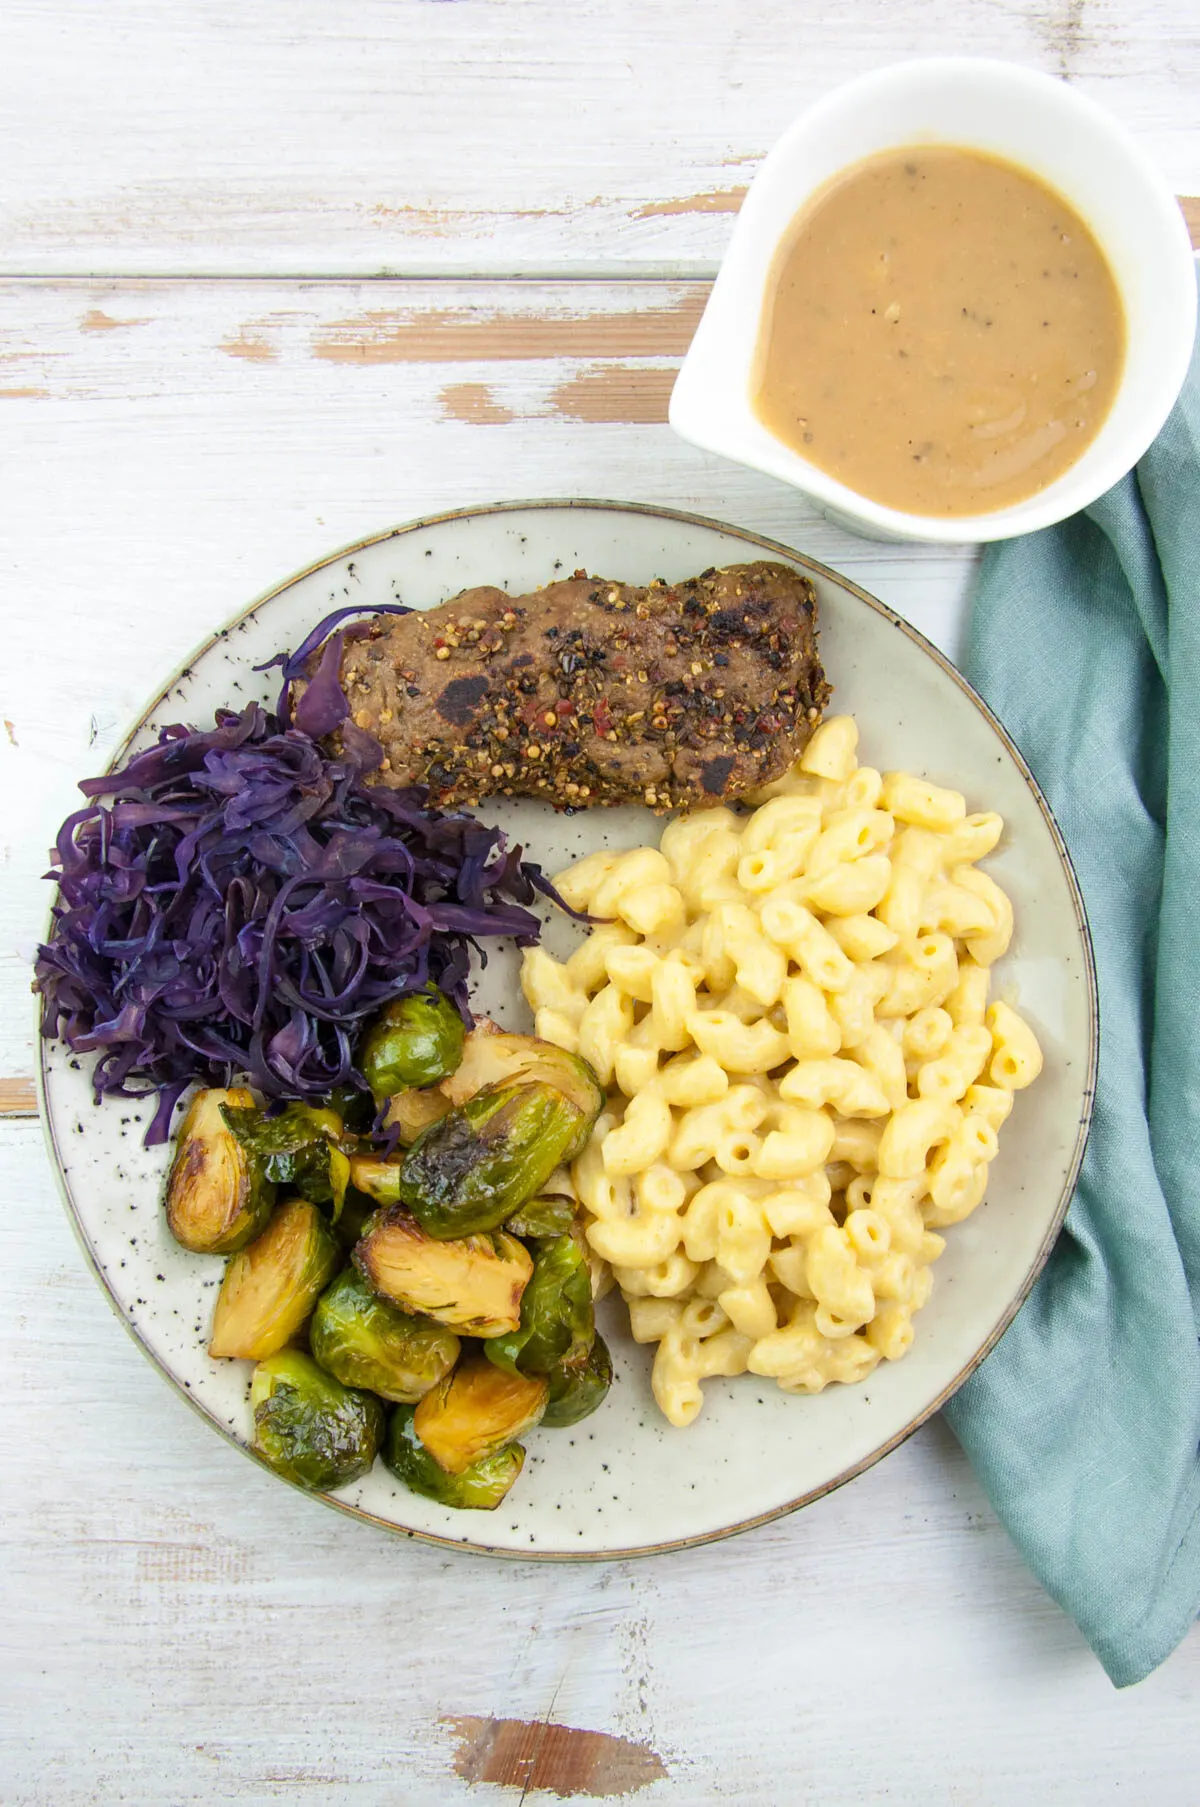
[270,1287]
[218,1196]
[557,1325]
[412,1111]
[475,1411]
[480,1488]
[577,1388]
[310,1427]
[474,1168]
[473,1284]
[417,1040]
[364,1342]
[491,1059]
[550,1214]
[296,1148]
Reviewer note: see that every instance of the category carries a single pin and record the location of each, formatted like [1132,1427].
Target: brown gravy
[941,333]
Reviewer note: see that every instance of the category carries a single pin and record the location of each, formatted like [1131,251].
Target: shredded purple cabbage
[239,900]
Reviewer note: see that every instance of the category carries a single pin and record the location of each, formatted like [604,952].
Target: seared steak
[590,691]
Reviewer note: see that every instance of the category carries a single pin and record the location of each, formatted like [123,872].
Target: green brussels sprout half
[473,1283]
[476,1411]
[297,1148]
[308,1426]
[576,1389]
[415,1041]
[557,1324]
[364,1342]
[271,1286]
[218,1194]
[479,1488]
[478,1165]
[550,1214]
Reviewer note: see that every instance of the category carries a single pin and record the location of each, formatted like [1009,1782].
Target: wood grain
[402,137]
[661,326]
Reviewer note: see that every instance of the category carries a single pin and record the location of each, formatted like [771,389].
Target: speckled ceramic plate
[624,1482]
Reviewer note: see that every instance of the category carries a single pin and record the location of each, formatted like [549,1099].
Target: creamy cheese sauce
[941,332]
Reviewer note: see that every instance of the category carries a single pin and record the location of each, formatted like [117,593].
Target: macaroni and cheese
[806,1080]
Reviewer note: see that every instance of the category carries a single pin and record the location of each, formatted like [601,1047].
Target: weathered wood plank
[402,137]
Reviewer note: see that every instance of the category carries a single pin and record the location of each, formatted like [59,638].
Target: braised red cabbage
[240,900]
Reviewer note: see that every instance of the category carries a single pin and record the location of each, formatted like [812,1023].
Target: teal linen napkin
[1084,1422]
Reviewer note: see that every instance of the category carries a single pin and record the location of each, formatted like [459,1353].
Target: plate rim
[765,543]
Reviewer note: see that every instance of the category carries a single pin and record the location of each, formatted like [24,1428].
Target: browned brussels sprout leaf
[415,1041]
[218,1196]
[308,1426]
[491,1059]
[577,1389]
[473,1284]
[550,1214]
[556,1325]
[478,1165]
[479,1489]
[270,1287]
[474,1411]
[364,1342]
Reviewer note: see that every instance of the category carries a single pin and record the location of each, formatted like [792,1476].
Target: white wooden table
[272,277]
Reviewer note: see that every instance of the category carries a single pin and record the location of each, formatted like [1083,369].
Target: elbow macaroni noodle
[806,1078]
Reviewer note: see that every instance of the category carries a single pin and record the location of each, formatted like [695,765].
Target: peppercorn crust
[590,691]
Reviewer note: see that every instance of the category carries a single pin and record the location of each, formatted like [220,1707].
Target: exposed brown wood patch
[97,321]
[248,342]
[460,335]
[18,395]
[18,1098]
[11,732]
[719,200]
[475,404]
[629,393]
[1191,213]
[560,1759]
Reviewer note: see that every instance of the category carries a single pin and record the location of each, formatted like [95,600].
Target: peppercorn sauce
[941,332]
